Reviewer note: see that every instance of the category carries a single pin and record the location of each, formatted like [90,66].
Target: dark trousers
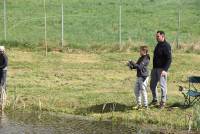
[3,74]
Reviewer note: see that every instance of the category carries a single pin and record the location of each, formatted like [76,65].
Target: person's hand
[131,62]
[163,73]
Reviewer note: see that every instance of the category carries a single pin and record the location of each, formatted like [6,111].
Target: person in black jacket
[161,62]
[141,66]
[3,67]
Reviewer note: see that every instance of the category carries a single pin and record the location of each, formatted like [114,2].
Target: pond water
[35,123]
[50,123]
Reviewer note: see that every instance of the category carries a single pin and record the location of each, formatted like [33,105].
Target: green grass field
[81,83]
[89,22]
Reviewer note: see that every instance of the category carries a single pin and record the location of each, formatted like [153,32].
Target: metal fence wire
[87,22]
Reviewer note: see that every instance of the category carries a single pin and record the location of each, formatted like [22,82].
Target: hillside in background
[90,22]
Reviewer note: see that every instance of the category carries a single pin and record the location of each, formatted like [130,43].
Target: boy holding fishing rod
[141,66]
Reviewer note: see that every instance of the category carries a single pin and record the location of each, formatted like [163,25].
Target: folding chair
[192,93]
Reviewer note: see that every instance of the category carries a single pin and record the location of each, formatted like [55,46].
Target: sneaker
[146,107]
[154,102]
[162,105]
[138,107]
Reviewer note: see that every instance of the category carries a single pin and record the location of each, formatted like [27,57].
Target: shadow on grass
[104,108]
[117,107]
[178,105]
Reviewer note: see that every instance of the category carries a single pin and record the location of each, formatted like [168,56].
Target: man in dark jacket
[161,62]
[3,67]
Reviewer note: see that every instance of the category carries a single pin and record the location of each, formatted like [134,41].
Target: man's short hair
[161,32]
[144,48]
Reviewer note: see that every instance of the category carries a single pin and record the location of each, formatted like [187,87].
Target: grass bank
[82,83]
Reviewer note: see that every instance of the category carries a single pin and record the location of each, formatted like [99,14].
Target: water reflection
[34,123]
[51,123]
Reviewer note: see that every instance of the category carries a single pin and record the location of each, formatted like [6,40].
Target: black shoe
[154,102]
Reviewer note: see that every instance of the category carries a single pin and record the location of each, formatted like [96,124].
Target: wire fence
[87,22]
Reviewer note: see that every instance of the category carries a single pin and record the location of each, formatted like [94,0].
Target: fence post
[178,29]
[120,24]
[62,43]
[5,21]
[45,27]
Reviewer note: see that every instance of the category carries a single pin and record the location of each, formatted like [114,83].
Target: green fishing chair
[192,93]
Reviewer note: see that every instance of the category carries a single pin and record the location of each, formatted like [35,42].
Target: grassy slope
[74,83]
[77,82]
[89,22]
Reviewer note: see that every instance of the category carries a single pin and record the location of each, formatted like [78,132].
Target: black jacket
[162,56]
[142,66]
[3,61]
